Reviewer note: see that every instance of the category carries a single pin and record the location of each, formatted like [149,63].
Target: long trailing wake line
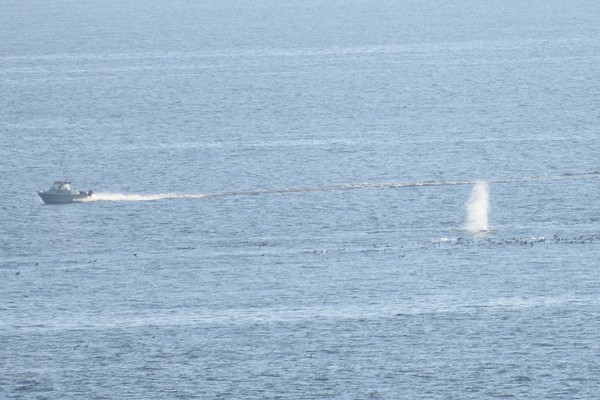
[104,196]
[327,188]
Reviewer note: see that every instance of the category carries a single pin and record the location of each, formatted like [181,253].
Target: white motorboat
[61,192]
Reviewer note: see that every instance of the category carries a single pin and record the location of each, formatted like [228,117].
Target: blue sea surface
[281,197]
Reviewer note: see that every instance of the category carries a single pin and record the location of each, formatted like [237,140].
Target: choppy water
[281,199]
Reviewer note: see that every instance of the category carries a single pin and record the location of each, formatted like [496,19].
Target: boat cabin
[60,186]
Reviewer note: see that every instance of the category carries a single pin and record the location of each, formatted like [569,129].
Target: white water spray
[478,208]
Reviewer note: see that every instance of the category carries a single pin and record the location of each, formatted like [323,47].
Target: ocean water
[285,195]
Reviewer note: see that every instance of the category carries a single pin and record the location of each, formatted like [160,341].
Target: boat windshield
[62,185]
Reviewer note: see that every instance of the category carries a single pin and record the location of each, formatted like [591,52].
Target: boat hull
[63,198]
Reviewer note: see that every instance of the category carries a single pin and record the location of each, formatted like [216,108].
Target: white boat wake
[107,196]
[102,196]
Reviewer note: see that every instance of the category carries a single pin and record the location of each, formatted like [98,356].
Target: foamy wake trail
[101,196]
[105,196]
